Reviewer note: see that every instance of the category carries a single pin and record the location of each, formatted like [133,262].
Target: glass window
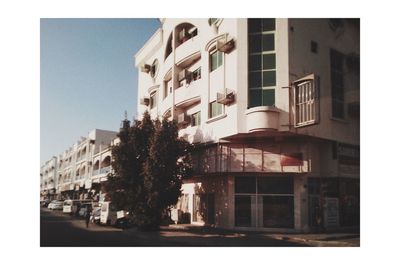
[278,211]
[269,78]
[254,62]
[268,42]
[268,24]
[215,109]
[153,100]
[275,185]
[254,43]
[216,60]
[337,84]
[268,97]
[255,79]
[242,210]
[254,25]
[255,97]
[268,61]
[245,185]
[195,120]
[197,74]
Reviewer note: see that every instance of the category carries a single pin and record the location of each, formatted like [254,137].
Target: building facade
[272,106]
[79,170]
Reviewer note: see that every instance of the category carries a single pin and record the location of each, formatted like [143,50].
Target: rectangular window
[216,60]
[306,101]
[337,84]
[195,119]
[242,211]
[278,211]
[196,74]
[215,109]
[262,62]
[153,100]
[245,185]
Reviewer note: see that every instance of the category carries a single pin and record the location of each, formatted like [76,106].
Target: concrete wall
[303,62]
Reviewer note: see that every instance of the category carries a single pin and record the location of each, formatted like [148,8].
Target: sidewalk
[326,239]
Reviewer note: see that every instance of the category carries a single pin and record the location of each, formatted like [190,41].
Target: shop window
[215,60]
[242,211]
[278,211]
[264,202]
[245,185]
[275,185]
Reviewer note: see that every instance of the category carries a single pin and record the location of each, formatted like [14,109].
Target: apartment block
[273,107]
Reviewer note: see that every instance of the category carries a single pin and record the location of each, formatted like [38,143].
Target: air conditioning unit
[145,101]
[145,68]
[226,98]
[183,119]
[225,46]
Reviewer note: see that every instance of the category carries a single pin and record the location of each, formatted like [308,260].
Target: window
[264,202]
[153,100]
[212,21]
[314,47]
[215,60]
[154,68]
[306,101]
[262,62]
[337,84]
[195,119]
[196,74]
[215,109]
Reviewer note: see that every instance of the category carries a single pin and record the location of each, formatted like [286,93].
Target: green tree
[149,164]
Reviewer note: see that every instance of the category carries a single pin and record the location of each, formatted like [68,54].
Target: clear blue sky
[87,76]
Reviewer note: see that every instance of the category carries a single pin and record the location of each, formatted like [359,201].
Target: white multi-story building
[79,170]
[48,178]
[273,108]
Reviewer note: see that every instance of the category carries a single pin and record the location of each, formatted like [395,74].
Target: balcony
[263,118]
[187,50]
[79,159]
[105,170]
[165,104]
[188,94]
[96,172]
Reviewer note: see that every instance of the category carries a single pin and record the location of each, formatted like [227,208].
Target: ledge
[216,118]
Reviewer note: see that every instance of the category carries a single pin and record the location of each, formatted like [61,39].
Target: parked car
[55,205]
[111,216]
[70,206]
[84,208]
[44,203]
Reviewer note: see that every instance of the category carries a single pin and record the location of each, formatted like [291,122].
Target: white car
[55,205]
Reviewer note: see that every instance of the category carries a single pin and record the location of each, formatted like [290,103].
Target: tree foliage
[149,164]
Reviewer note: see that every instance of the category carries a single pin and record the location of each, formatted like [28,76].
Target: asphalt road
[57,229]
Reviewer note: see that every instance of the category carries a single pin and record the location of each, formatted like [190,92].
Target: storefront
[264,202]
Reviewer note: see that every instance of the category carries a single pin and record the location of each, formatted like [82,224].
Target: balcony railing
[81,158]
[96,172]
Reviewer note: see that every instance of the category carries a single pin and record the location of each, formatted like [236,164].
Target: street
[57,229]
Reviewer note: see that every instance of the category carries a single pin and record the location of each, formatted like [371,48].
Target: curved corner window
[153,100]
[261,62]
